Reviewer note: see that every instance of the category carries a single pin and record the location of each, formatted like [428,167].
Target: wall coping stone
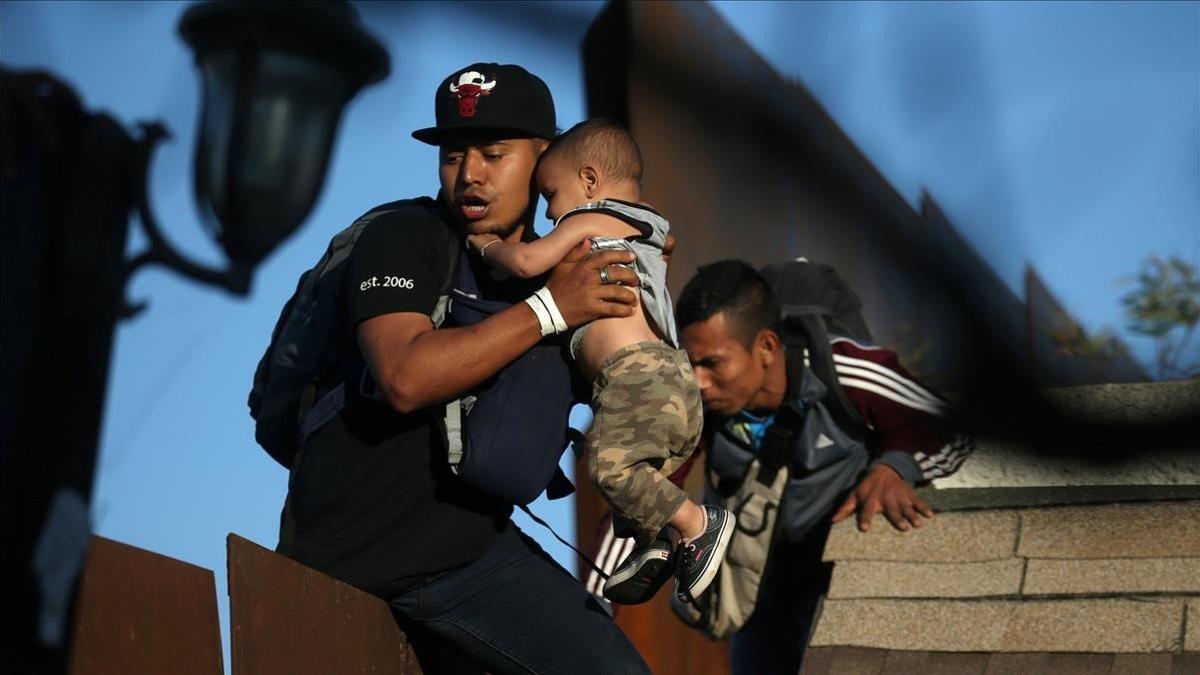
[975,499]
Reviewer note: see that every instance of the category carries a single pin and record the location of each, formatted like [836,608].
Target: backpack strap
[780,436]
[591,563]
[808,323]
[454,253]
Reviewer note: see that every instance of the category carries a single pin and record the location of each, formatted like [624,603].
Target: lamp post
[276,79]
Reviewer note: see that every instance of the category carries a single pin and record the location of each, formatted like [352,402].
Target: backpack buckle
[776,447]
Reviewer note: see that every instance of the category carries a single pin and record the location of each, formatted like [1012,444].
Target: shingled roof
[1026,578]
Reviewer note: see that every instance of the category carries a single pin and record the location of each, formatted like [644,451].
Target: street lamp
[277,76]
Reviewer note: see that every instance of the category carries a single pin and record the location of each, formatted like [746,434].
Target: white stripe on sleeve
[845,371]
[889,394]
[904,383]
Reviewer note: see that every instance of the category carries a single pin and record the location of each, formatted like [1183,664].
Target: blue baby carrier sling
[514,426]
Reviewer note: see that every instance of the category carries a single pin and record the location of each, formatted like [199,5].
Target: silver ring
[604,275]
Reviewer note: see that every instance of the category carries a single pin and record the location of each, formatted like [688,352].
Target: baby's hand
[579,252]
[478,241]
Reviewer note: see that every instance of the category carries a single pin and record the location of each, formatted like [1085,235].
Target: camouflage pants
[647,421]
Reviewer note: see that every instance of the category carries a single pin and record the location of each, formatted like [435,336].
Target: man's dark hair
[603,143]
[734,288]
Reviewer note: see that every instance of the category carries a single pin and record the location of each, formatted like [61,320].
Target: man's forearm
[438,365]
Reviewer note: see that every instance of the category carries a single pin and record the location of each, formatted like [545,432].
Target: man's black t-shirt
[372,501]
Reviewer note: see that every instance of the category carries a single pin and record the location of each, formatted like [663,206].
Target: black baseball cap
[491,97]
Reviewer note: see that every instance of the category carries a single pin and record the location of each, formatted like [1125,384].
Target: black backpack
[815,304]
[300,355]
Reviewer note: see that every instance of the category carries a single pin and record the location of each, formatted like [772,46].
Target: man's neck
[770,397]
[517,234]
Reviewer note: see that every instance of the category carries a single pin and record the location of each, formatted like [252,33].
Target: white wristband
[560,324]
[545,322]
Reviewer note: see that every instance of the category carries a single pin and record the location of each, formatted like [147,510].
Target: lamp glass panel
[267,153]
[220,77]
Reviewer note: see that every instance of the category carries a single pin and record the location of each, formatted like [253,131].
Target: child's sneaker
[700,557]
[642,573]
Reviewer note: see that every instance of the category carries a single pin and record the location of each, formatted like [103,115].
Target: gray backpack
[301,356]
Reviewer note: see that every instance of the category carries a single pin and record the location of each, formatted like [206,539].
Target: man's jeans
[515,610]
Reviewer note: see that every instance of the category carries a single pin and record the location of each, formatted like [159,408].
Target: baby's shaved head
[602,143]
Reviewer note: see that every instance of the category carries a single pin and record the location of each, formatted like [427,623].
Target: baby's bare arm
[530,259]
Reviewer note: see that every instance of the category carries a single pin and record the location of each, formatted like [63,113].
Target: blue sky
[1066,136]
[1061,135]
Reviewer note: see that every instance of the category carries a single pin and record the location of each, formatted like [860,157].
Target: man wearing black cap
[372,500]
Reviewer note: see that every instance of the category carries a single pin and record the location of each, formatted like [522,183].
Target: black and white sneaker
[642,573]
[700,558]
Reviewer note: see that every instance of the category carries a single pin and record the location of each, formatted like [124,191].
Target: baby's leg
[690,518]
[642,423]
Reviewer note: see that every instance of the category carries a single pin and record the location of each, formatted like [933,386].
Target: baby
[646,405]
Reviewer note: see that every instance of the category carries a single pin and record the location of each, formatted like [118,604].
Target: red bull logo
[470,86]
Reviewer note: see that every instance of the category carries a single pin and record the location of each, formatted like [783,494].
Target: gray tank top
[649,264]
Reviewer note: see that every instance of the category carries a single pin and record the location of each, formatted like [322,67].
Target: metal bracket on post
[235,279]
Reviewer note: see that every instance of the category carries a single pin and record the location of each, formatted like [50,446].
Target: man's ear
[591,180]
[767,346]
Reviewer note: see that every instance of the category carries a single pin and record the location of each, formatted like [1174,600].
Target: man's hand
[582,296]
[883,490]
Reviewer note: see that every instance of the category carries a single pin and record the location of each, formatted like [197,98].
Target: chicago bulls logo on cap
[521,108]
[471,85]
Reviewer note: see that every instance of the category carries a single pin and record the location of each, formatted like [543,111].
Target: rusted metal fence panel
[288,618]
[141,613]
